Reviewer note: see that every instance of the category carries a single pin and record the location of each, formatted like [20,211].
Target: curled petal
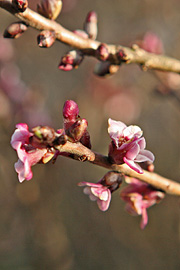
[133,165]
[144,155]
[133,152]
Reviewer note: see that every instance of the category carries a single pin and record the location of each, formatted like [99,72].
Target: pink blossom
[27,154]
[101,191]
[127,145]
[152,43]
[98,192]
[138,197]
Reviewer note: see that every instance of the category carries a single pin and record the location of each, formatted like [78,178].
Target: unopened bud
[15,30]
[45,134]
[103,69]
[46,39]
[122,57]
[112,179]
[50,8]
[90,25]
[20,5]
[71,60]
[102,52]
[70,110]
[77,130]
[81,33]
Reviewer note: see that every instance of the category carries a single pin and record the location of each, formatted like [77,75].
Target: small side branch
[89,46]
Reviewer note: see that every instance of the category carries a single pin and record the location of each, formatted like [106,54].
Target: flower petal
[133,165]
[144,155]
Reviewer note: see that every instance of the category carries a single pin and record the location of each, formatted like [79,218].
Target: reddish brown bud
[77,130]
[46,39]
[90,25]
[71,60]
[15,30]
[113,180]
[50,8]
[20,5]
[122,56]
[102,52]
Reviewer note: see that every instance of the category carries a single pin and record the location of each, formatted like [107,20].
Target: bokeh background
[48,223]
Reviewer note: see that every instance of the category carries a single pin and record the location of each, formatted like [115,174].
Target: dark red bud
[20,5]
[70,110]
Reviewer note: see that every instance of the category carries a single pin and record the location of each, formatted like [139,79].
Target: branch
[89,46]
[151,178]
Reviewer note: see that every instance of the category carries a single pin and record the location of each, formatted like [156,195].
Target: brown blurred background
[48,223]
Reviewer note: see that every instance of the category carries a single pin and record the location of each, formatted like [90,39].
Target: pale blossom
[128,145]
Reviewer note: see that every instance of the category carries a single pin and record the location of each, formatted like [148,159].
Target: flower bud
[70,110]
[103,69]
[71,60]
[50,8]
[15,30]
[46,39]
[90,25]
[113,180]
[20,5]
[102,52]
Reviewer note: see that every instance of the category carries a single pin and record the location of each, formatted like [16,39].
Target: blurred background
[48,223]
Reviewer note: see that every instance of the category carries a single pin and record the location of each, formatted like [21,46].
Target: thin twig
[84,153]
[89,46]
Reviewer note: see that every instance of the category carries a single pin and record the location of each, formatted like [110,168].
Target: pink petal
[142,143]
[144,155]
[144,219]
[133,152]
[133,165]
[132,131]
[104,205]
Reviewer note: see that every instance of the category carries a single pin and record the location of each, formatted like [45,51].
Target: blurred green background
[48,223]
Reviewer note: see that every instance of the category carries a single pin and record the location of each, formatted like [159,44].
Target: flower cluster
[138,197]
[127,145]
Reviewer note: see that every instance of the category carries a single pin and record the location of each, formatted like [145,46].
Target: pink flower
[101,191]
[152,43]
[138,197]
[127,145]
[98,192]
[27,154]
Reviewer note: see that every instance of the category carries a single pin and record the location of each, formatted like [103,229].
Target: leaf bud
[50,8]
[90,25]
[46,39]
[15,30]
[102,52]
[71,60]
